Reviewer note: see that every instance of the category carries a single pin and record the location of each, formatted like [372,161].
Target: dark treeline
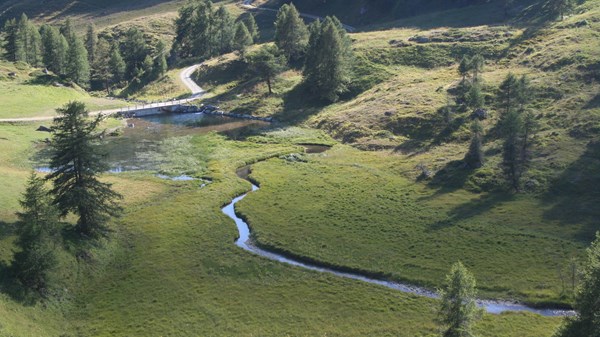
[90,61]
[203,31]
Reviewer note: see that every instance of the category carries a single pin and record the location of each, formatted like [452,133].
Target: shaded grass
[352,209]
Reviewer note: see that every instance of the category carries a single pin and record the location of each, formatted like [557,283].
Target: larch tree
[291,33]
[458,308]
[78,67]
[76,164]
[242,38]
[117,65]
[474,157]
[223,30]
[37,230]
[91,42]
[587,301]
[160,61]
[10,36]
[248,19]
[267,63]
[328,61]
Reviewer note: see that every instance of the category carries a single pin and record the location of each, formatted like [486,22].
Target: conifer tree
[511,127]
[561,7]
[78,67]
[508,94]
[67,30]
[134,52]
[291,34]
[22,39]
[36,236]
[328,60]
[458,310]
[160,62]
[117,65]
[223,30]
[76,163]
[474,97]
[464,67]
[587,303]
[474,157]
[267,63]
[242,38]
[248,19]
[91,43]
[10,37]
[476,66]
[101,69]
[55,48]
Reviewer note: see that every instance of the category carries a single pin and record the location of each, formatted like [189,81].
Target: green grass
[171,267]
[24,97]
[355,210]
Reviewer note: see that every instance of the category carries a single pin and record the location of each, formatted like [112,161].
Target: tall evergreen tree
[223,30]
[184,29]
[242,38]
[248,19]
[10,39]
[328,60]
[291,34]
[22,39]
[76,163]
[511,127]
[474,157]
[509,91]
[134,52]
[587,303]
[101,68]
[91,42]
[67,30]
[55,49]
[36,236]
[458,310]
[78,67]
[464,68]
[267,63]
[160,62]
[474,97]
[476,66]
[117,65]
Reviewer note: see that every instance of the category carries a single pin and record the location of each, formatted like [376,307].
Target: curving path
[185,77]
[245,242]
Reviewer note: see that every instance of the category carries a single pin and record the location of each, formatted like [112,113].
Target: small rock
[43,129]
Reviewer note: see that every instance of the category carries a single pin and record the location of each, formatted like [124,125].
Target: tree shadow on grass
[473,208]
[299,104]
[8,283]
[575,195]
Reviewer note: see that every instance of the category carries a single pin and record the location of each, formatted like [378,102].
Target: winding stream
[245,242]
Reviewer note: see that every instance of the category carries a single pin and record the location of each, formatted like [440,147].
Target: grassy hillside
[28,92]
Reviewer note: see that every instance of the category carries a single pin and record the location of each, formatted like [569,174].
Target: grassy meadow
[171,268]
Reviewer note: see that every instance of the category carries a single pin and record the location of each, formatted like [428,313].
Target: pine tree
[36,236]
[184,26]
[464,68]
[78,67]
[248,19]
[242,38]
[291,34]
[67,30]
[511,127]
[458,310]
[476,65]
[328,60]
[508,93]
[587,321]
[203,38]
[117,65]
[76,163]
[223,30]
[91,42]
[474,157]
[101,69]
[55,48]
[21,39]
[160,62]
[474,97]
[134,52]
[267,62]
[10,37]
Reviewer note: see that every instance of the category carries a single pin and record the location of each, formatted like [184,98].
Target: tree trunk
[269,85]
